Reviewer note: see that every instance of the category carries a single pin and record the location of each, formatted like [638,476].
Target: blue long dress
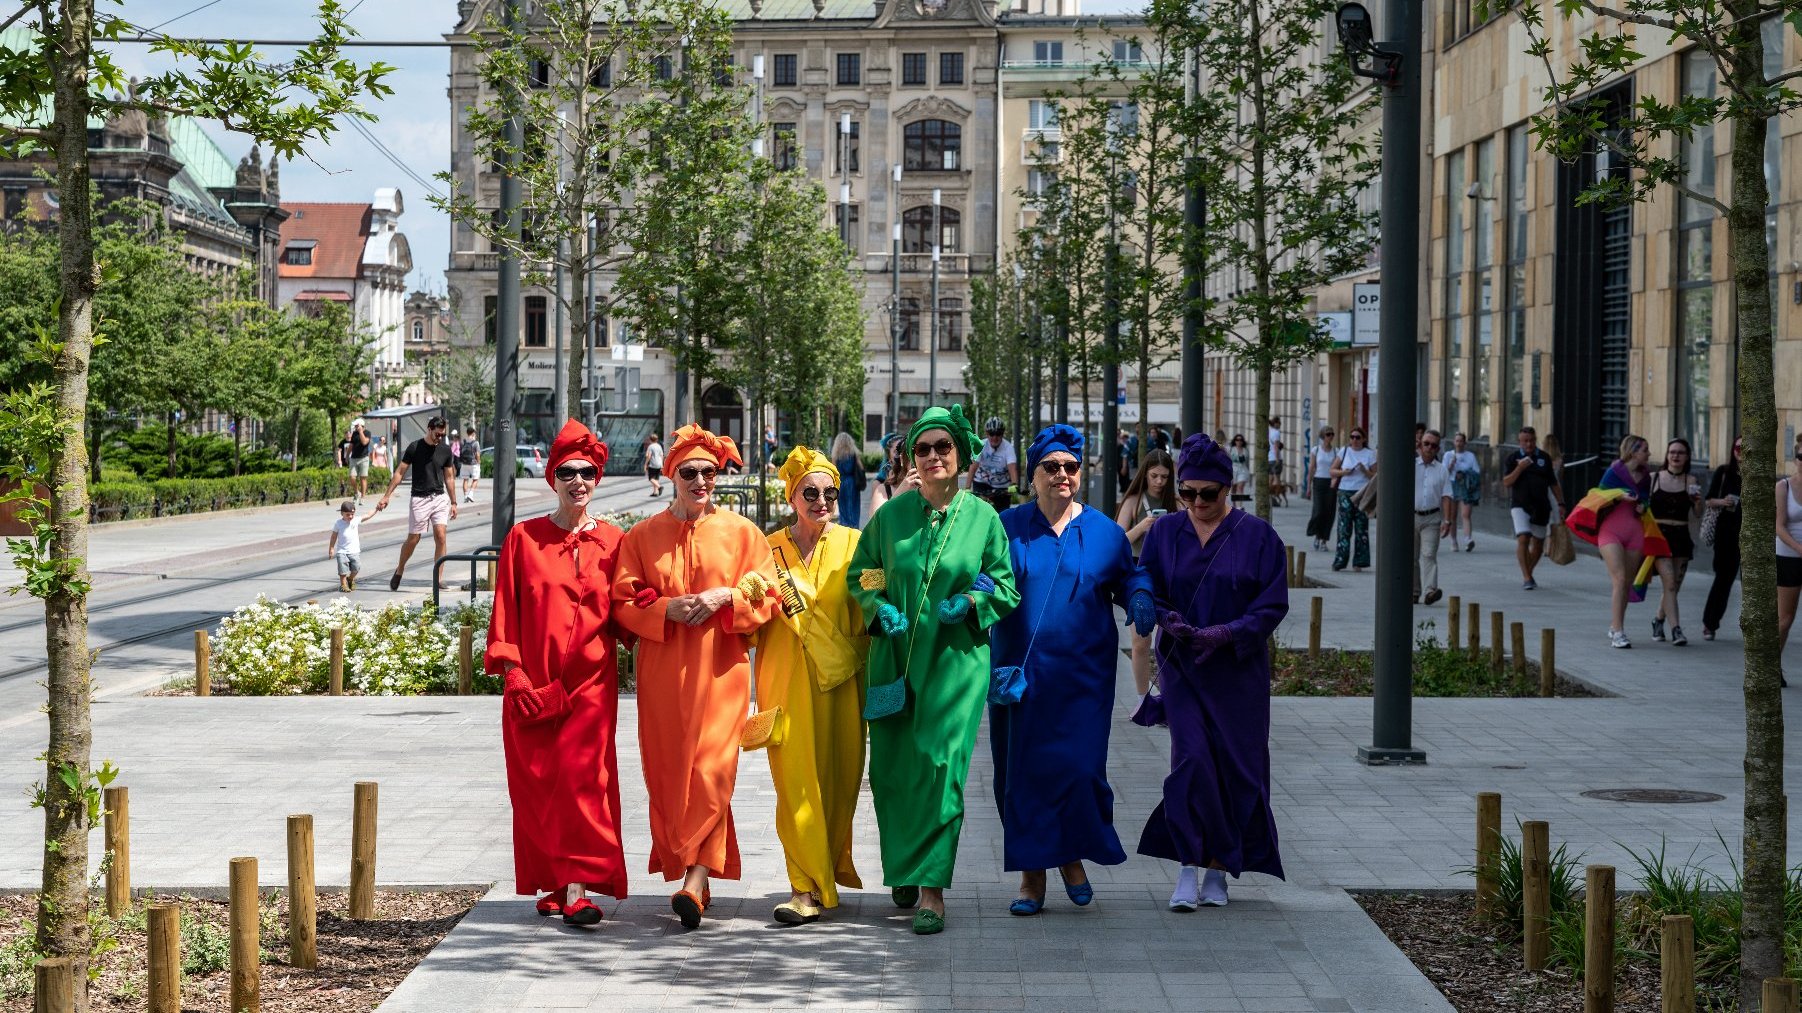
[1216,806]
[850,486]
[1050,749]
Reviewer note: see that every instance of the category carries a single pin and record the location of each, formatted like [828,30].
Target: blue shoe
[1080,893]
[1025,906]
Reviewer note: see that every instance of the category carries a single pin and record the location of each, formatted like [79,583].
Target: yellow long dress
[818,768]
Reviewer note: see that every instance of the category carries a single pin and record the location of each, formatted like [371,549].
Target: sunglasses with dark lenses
[569,473]
[1067,467]
[1430,443]
[942,448]
[1355,436]
[1208,495]
[688,473]
[812,494]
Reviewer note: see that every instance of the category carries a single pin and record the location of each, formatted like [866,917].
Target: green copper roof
[189,142]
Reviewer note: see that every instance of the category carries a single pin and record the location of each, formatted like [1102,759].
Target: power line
[346,44]
[178,17]
[383,150]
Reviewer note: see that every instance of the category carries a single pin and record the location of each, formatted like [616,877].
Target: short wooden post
[1301,569]
[303,907]
[1454,614]
[203,664]
[165,958]
[1780,995]
[55,992]
[1536,894]
[1489,850]
[362,852]
[245,917]
[1473,628]
[1517,642]
[1314,621]
[1548,662]
[1598,939]
[490,575]
[1289,563]
[117,803]
[466,659]
[1495,642]
[337,687]
[1677,964]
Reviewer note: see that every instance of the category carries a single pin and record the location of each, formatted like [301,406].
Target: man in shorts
[431,507]
[1532,489]
[470,461]
[653,464]
[354,453]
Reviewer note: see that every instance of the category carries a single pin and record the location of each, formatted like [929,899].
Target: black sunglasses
[1067,467]
[689,473]
[1430,443]
[1208,495]
[569,473]
[812,494]
[942,448]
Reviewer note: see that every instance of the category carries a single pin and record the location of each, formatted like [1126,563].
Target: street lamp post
[1110,363]
[932,354]
[1195,217]
[506,316]
[894,325]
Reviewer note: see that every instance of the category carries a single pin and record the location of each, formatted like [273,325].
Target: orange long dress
[694,682]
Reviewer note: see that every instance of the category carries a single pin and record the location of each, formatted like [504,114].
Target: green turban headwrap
[951,420]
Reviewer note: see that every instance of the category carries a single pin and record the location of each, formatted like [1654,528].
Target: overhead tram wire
[383,150]
[178,17]
[346,44]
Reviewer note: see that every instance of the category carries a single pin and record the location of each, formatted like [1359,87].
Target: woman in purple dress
[1219,577]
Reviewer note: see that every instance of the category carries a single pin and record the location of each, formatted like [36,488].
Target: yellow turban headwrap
[804,461]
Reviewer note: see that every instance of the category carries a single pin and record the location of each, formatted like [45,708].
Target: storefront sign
[1366,313]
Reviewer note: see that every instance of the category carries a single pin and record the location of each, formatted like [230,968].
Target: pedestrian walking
[897,474]
[1723,500]
[1354,468]
[1467,490]
[653,465]
[1433,512]
[1789,547]
[769,450]
[1273,437]
[353,453]
[1129,460]
[378,455]
[1051,699]
[1152,495]
[1614,518]
[345,544]
[551,641]
[996,469]
[470,458]
[1240,455]
[1218,574]
[848,466]
[1321,486]
[430,508]
[1530,476]
[931,574]
[1676,501]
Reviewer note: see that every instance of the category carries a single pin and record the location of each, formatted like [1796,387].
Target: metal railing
[487,553]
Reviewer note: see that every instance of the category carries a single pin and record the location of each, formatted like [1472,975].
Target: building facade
[355,255]
[426,334]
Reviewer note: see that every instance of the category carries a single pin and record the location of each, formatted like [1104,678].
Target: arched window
[932,145]
[418,330]
[916,230]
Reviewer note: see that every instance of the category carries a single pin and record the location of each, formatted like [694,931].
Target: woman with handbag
[694,583]
[931,575]
[807,662]
[1722,532]
[1051,699]
[551,640]
[1353,470]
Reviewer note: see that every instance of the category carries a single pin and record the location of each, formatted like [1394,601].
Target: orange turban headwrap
[693,441]
[575,440]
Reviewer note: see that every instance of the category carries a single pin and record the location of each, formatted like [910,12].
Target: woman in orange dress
[694,582]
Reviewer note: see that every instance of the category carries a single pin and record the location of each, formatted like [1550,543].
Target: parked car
[529,456]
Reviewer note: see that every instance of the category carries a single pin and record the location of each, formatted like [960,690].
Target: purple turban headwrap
[1203,460]
[1056,436]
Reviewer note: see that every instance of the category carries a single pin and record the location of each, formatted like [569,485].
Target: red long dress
[552,612]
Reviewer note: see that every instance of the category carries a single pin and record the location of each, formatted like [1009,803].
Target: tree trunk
[1260,444]
[237,444]
[169,466]
[581,327]
[62,917]
[294,443]
[1765,833]
[95,436]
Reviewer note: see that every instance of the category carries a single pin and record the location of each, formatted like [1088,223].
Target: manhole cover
[1658,796]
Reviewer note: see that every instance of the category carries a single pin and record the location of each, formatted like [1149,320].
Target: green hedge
[169,497]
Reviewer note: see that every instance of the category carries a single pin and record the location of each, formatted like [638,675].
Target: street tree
[999,348]
[462,380]
[1276,126]
[50,86]
[1744,39]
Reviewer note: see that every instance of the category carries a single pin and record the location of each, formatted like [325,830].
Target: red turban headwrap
[576,440]
[693,441]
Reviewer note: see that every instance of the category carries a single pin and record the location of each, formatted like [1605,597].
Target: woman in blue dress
[1071,565]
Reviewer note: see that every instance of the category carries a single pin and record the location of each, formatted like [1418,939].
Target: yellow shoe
[797,912]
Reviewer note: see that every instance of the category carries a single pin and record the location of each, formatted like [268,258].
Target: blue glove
[983,583]
[954,609]
[1141,613]
[889,621]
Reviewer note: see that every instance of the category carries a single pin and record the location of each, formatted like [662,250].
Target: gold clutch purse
[764,728]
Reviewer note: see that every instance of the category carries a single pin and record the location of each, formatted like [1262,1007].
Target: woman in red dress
[552,642]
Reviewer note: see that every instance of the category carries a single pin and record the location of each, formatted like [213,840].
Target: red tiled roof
[314,294]
[341,230]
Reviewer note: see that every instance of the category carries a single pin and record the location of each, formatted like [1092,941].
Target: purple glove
[1202,642]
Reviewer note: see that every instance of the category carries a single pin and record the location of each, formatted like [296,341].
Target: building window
[783,151]
[850,68]
[916,229]
[1039,181]
[845,148]
[602,76]
[1455,351]
[1041,114]
[1128,51]
[1514,372]
[931,145]
[419,331]
[298,256]
[540,74]
[846,217]
[951,325]
[1482,206]
[663,68]
[787,70]
[1048,53]
[490,318]
[1123,118]
[1692,380]
[913,68]
[538,328]
[910,325]
[13,204]
[951,68]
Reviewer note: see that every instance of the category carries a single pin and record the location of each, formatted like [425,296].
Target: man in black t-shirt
[1532,487]
[433,472]
[353,453]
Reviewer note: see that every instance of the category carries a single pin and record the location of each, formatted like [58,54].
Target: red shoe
[582,912]
[549,905]
[688,907]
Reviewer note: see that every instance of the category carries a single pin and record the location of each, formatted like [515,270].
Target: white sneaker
[1187,896]
[1213,889]
[1618,638]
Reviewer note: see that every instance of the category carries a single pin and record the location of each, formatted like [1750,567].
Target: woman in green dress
[932,574]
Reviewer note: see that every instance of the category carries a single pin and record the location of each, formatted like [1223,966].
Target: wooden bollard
[165,958]
[1289,564]
[1536,894]
[1598,940]
[55,991]
[1454,613]
[1780,995]
[1314,623]
[1517,642]
[1489,850]
[491,575]
[1301,569]
[466,659]
[303,906]
[1473,628]
[337,686]
[246,918]
[362,852]
[1496,662]
[203,664]
[1677,964]
[117,802]
[1548,662]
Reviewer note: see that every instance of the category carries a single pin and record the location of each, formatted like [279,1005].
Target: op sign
[1366,317]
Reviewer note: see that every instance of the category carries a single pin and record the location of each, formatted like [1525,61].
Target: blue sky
[413,123]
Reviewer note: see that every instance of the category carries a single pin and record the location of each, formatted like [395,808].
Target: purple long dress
[1216,806]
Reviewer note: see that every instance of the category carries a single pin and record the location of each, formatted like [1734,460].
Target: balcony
[951,265]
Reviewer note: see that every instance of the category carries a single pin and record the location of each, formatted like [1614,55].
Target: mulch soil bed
[1438,673]
[360,962]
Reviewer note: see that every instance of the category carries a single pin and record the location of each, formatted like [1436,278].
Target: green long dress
[920,757]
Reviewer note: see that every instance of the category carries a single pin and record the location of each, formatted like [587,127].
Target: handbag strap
[1057,571]
[932,567]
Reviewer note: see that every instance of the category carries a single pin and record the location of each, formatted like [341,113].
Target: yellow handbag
[764,728]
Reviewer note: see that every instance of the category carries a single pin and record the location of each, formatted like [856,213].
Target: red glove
[645,598]
[534,703]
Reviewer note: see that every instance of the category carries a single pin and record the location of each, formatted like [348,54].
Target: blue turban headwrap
[1056,436]
[1203,460]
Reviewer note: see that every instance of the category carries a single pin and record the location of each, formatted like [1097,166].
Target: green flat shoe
[905,896]
[927,923]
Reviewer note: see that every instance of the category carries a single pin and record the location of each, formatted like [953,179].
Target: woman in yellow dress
[807,664]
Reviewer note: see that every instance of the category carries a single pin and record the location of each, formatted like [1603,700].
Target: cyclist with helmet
[996,469]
